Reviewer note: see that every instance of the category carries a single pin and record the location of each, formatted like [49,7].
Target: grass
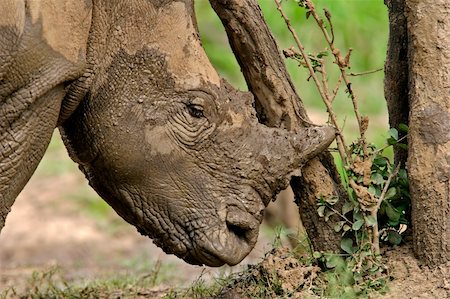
[56,283]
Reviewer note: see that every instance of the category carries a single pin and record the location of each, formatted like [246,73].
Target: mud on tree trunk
[417,86]
[429,132]
[278,105]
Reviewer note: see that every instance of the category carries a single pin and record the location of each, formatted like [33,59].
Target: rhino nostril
[238,231]
[241,223]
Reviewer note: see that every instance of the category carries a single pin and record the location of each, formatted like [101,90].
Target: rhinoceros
[173,148]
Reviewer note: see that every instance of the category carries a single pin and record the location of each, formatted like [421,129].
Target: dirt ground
[47,227]
[411,280]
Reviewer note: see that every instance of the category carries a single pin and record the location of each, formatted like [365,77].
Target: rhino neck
[37,59]
[166,27]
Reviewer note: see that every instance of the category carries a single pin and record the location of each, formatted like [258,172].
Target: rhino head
[175,150]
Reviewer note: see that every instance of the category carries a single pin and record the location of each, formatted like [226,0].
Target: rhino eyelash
[195,111]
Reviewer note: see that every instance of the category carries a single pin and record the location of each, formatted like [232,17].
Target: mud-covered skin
[190,168]
[34,72]
[173,149]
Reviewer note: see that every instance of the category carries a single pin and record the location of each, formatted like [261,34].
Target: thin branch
[365,73]
[326,97]
[386,146]
[374,211]
[386,186]
[341,62]
[328,16]
[336,89]
[340,214]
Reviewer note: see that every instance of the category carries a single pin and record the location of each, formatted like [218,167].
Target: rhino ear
[76,93]
[80,148]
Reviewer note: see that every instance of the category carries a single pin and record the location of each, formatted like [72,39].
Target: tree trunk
[278,105]
[396,72]
[429,133]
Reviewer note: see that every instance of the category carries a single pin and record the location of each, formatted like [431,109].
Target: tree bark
[396,72]
[429,133]
[278,105]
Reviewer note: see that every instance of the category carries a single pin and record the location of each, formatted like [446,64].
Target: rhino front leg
[33,77]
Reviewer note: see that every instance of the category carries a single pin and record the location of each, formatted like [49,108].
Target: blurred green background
[358,24]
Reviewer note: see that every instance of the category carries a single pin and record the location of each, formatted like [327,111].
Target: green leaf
[391,141]
[393,214]
[338,226]
[332,261]
[371,220]
[402,174]
[372,189]
[347,245]
[358,216]
[346,227]
[393,133]
[321,211]
[390,193]
[377,178]
[402,146]
[375,190]
[380,161]
[403,128]
[394,237]
[382,209]
[317,255]
[328,214]
[322,54]
[357,224]
[347,207]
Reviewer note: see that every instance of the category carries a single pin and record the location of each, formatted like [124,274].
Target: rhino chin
[216,259]
[213,253]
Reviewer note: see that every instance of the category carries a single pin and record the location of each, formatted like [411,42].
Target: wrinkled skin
[176,151]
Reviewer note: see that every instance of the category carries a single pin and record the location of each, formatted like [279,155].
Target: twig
[336,89]
[328,16]
[326,97]
[386,186]
[340,214]
[341,62]
[374,211]
[386,146]
[365,73]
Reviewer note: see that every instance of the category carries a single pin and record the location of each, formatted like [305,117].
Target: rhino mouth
[232,253]
[204,258]
[230,244]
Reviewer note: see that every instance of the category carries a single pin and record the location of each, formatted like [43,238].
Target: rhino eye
[195,110]
[189,126]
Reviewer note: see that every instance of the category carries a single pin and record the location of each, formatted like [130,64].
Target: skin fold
[175,150]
